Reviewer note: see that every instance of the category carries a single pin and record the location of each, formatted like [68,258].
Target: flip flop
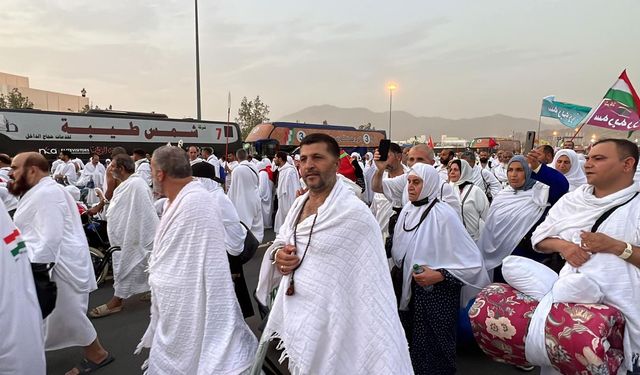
[87,367]
[103,310]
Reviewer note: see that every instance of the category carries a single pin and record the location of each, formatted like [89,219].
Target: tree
[15,100]
[250,114]
[366,126]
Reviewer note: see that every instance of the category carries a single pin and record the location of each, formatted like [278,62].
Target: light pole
[391,86]
[199,110]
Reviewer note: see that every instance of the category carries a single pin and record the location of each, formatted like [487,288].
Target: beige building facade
[42,99]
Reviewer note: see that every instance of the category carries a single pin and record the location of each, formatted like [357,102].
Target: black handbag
[46,290]
[250,246]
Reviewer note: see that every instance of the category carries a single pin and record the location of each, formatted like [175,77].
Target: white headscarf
[290,160]
[431,242]
[466,173]
[575,176]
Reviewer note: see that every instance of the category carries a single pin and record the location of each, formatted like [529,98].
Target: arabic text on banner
[568,114]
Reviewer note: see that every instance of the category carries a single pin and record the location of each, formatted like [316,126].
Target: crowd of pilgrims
[371,263]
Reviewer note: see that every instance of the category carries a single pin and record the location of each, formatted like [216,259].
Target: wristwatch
[626,253]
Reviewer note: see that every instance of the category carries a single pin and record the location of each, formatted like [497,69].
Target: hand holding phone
[383,149]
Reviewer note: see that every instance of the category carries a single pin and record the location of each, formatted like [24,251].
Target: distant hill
[405,125]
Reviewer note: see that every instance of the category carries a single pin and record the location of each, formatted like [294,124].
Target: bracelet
[274,253]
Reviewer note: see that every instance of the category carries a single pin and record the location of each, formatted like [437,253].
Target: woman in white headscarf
[517,211]
[568,163]
[430,235]
[473,202]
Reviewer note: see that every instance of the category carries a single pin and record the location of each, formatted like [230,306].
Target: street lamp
[198,109]
[83,92]
[391,86]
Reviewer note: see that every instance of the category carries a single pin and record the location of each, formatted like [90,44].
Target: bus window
[267,147]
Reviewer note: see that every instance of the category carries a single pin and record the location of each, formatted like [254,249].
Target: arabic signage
[616,116]
[568,114]
[82,128]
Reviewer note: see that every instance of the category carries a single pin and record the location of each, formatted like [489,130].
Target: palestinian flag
[619,107]
[14,243]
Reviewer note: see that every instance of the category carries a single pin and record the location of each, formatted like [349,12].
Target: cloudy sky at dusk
[451,59]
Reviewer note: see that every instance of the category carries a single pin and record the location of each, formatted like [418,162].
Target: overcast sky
[453,59]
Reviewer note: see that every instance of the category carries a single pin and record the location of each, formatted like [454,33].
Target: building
[42,99]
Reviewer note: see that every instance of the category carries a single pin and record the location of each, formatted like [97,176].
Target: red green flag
[619,107]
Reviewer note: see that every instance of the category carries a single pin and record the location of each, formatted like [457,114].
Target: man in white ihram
[196,324]
[132,226]
[50,224]
[244,193]
[610,256]
[288,185]
[335,310]
[22,345]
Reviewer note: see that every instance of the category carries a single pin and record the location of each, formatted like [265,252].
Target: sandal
[87,367]
[103,310]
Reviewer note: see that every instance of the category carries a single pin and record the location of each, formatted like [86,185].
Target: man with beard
[445,157]
[48,219]
[339,268]
[485,163]
[287,186]
[132,225]
[196,324]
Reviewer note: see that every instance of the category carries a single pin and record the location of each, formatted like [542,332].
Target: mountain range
[406,125]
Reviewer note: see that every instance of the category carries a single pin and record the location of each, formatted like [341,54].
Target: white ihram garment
[50,224]
[196,324]
[244,193]
[22,344]
[619,280]
[342,318]
[266,198]
[132,226]
[511,215]
[288,185]
[442,231]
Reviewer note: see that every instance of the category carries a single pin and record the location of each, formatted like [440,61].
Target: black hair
[332,145]
[625,149]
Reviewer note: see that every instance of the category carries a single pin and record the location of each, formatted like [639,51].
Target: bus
[268,138]
[493,144]
[98,132]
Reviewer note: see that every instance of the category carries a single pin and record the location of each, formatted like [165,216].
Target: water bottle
[417,269]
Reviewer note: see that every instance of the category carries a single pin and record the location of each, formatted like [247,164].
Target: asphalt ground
[121,332]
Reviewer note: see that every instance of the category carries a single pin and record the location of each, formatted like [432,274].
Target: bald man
[47,217]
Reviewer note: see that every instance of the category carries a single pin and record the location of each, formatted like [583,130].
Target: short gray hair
[124,161]
[241,154]
[173,161]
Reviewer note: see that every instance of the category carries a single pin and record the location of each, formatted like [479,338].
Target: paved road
[120,333]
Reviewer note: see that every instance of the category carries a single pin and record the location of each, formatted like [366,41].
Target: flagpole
[575,134]
[226,133]
[539,121]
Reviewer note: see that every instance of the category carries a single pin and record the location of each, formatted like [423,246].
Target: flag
[15,243]
[618,110]
[492,143]
[568,114]
[430,143]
